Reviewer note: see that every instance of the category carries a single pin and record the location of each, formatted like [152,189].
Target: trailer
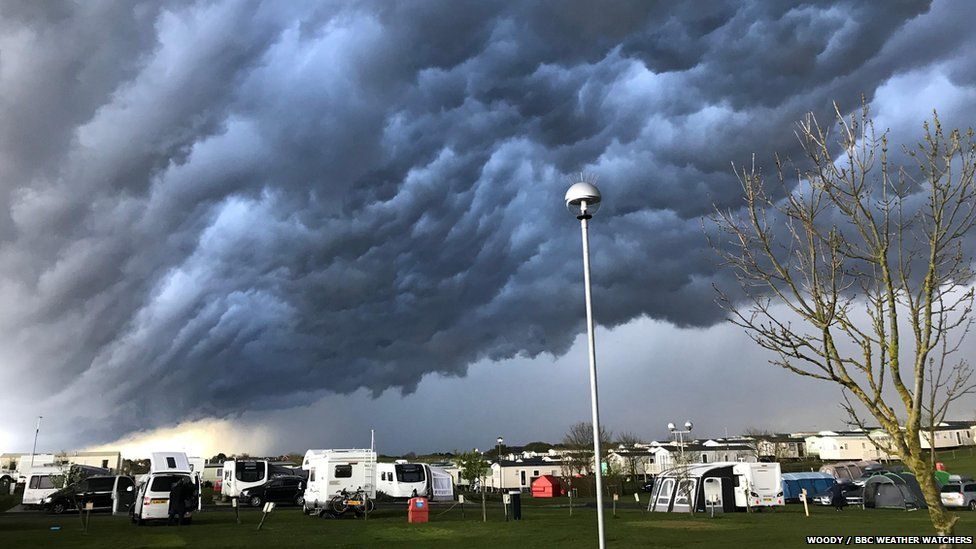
[332,471]
[718,487]
[402,480]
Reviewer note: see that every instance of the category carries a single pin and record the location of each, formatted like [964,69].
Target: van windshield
[410,472]
[165,483]
[949,488]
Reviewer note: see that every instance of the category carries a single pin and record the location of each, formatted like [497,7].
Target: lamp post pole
[586,197]
[37,430]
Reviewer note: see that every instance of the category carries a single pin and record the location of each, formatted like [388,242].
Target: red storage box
[418,511]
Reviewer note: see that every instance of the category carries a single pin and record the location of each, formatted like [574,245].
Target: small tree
[855,273]
[473,469]
[578,443]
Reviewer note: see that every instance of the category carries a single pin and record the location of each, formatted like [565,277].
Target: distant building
[868,445]
[518,474]
[949,434]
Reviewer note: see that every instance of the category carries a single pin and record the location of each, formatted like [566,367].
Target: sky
[270,226]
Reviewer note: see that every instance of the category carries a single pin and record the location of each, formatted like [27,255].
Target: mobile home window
[104,464]
[42,482]
[664,493]
[343,471]
[311,475]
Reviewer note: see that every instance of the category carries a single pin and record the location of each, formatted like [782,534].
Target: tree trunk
[942,520]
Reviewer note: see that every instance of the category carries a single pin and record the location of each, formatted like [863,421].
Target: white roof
[169,462]
[347,453]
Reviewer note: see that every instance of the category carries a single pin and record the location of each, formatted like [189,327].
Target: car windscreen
[410,472]
[949,488]
[165,483]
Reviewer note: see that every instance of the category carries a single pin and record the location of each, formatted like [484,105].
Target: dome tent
[893,491]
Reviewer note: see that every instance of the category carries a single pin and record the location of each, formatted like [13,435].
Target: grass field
[543,526]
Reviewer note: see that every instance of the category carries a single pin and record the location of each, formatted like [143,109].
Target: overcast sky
[272,226]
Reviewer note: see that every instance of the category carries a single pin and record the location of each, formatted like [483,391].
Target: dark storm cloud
[247,205]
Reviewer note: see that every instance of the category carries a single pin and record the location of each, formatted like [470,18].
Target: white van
[41,483]
[402,479]
[758,485]
[166,469]
[331,471]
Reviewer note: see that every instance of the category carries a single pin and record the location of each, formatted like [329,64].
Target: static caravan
[331,471]
[850,471]
[167,470]
[441,484]
[402,479]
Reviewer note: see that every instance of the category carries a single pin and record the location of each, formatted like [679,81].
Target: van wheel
[972,505]
[58,507]
[300,500]
[256,501]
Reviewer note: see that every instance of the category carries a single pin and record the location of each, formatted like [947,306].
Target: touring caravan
[166,470]
[41,483]
[44,481]
[402,479]
[724,486]
[758,485]
[331,471]
[241,474]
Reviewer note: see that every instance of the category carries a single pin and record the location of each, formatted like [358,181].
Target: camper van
[402,479]
[331,471]
[758,485]
[166,469]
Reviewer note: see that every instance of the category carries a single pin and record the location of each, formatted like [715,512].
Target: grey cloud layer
[241,205]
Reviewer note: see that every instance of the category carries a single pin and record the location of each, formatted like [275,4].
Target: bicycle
[357,501]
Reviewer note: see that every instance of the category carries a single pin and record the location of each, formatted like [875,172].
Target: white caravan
[241,474]
[758,485]
[331,471]
[41,483]
[166,469]
[402,479]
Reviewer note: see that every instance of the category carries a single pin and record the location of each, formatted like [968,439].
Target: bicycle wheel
[338,505]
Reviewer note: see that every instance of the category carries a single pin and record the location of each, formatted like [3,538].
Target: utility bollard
[237,512]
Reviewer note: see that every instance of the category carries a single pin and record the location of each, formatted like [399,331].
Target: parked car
[853,494]
[97,490]
[959,495]
[278,490]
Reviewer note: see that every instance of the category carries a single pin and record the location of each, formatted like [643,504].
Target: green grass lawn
[543,526]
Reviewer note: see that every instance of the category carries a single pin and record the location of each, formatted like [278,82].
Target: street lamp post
[583,199]
[681,439]
[37,430]
[498,456]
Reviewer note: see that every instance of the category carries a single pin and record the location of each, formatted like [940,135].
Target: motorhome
[331,471]
[240,474]
[402,479]
[166,470]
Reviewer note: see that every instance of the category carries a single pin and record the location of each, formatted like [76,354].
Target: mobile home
[41,483]
[331,471]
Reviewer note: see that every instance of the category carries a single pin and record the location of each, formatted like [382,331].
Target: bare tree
[855,271]
[578,456]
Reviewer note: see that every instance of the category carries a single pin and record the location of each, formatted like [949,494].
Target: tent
[546,486]
[849,471]
[893,491]
[814,483]
[683,489]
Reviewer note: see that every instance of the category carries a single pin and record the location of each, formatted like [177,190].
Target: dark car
[853,495]
[96,490]
[278,490]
